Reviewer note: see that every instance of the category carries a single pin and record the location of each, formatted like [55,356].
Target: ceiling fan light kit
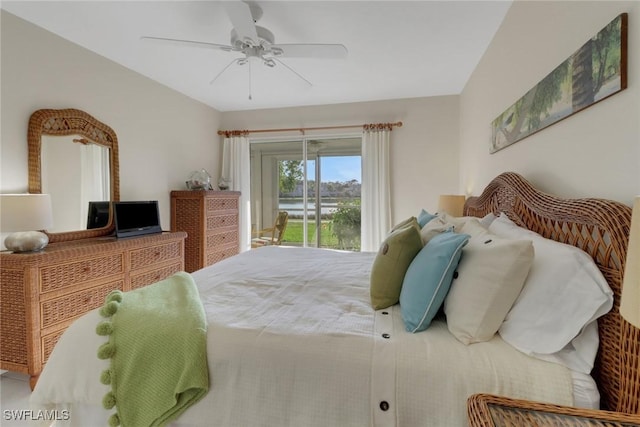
[258,42]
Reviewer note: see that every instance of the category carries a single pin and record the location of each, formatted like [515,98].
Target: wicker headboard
[600,228]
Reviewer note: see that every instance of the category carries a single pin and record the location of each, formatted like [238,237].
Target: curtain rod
[373,126]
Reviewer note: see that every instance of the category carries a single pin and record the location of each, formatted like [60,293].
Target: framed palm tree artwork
[597,70]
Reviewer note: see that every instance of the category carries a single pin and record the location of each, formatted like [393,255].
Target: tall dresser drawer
[216,240]
[221,253]
[141,258]
[67,307]
[222,204]
[65,275]
[218,221]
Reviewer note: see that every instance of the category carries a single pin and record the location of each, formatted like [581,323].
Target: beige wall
[442,147]
[163,135]
[595,152]
[424,151]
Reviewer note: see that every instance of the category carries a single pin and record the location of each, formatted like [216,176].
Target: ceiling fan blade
[336,51]
[194,43]
[235,61]
[294,72]
[242,20]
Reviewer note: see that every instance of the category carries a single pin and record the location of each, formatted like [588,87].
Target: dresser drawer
[141,258]
[13,309]
[215,240]
[65,275]
[222,204]
[48,342]
[153,276]
[219,221]
[221,253]
[66,307]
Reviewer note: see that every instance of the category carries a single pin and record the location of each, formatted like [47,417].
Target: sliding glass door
[317,181]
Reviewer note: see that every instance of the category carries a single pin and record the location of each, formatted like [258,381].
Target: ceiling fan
[257,42]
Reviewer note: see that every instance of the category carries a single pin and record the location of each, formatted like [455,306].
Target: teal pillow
[424,217]
[391,263]
[428,279]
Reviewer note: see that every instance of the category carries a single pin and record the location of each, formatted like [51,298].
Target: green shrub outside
[339,230]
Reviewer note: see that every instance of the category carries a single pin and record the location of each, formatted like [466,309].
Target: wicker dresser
[210,219]
[42,293]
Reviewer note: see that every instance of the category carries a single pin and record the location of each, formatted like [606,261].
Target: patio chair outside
[272,235]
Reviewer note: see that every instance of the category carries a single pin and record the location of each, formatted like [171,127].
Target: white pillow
[434,227]
[443,222]
[563,295]
[488,219]
[491,274]
[457,221]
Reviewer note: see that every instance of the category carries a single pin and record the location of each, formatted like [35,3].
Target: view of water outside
[295,207]
[339,206]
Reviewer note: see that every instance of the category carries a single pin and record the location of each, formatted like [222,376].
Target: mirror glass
[74,157]
[84,178]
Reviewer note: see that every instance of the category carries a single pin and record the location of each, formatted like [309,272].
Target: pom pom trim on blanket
[157,350]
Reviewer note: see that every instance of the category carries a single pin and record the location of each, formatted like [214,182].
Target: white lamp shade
[453,204]
[630,302]
[25,212]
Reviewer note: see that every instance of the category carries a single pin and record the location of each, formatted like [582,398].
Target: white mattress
[292,340]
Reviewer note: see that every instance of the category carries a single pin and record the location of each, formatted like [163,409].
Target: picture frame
[596,71]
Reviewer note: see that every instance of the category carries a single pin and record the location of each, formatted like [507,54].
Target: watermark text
[35,415]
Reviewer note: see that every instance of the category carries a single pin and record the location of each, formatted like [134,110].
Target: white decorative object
[22,215]
[199,180]
[223,183]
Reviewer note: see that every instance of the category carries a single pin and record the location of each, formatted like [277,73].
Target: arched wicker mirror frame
[71,122]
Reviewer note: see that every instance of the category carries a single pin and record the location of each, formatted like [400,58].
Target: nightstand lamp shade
[23,215]
[452,204]
[630,301]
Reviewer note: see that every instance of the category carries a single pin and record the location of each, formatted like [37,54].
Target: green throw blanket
[157,346]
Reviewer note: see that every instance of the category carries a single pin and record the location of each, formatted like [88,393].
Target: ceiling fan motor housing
[265,38]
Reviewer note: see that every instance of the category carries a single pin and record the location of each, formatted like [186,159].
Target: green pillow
[403,224]
[391,263]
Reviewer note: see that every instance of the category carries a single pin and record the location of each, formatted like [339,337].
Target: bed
[302,345]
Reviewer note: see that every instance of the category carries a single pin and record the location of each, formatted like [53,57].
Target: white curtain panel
[95,181]
[376,194]
[235,169]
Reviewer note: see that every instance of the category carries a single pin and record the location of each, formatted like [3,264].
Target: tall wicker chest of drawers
[42,293]
[210,219]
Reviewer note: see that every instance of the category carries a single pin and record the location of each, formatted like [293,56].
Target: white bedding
[293,341]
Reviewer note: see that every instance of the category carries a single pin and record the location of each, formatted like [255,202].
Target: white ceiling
[396,49]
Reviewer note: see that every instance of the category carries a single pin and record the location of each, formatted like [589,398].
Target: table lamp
[630,300]
[452,204]
[22,215]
